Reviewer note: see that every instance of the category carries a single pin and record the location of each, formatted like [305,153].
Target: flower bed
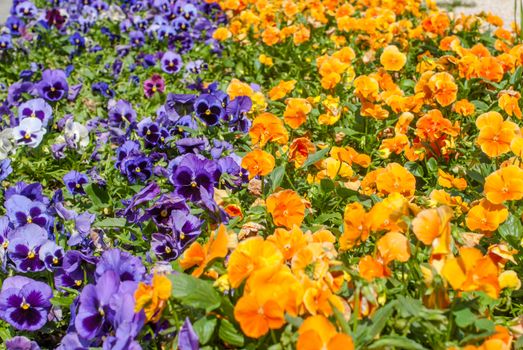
[259,175]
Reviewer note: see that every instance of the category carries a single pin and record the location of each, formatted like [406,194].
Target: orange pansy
[258,162]
[394,246]
[299,151]
[287,208]
[250,255]
[282,89]
[153,298]
[392,59]
[355,226]
[316,332]
[256,316]
[504,184]
[396,179]
[370,268]
[495,135]
[443,88]
[296,112]
[486,216]
[268,128]
[201,256]
[448,181]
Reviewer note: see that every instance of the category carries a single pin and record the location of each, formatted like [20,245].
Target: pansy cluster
[259,175]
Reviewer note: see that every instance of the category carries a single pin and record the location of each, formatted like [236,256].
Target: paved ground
[501,8]
[5,6]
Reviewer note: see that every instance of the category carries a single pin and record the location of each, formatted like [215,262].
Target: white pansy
[30,132]
[76,134]
[7,144]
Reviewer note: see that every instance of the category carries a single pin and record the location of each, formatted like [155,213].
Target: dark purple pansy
[153,85]
[53,86]
[137,168]
[171,62]
[75,181]
[126,266]
[128,149]
[36,108]
[185,228]
[237,108]
[187,338]
[24,247]
[102,88]
[15,91]
[52,255]
[233,175]
[25,303]
[32,191]
[77,40]
[22,211]
[21,343]
[193,172]
[209,109]
[179,105]
[121,113]
[94,310]
[149,131]
[164,247]
[161,211]
[219,147]
[72,279]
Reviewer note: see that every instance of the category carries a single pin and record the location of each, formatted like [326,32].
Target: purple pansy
[52,255]
[185,228]
[5,42]
[193,172]
[25,303]
[75,181]
[21,343]
[5,168]
[164,247]
[187,338]
[137,38]
[94,310]
[22,211]
[53,86]
[121,113]
[137,168]
[161,211]
[36,108]
[126,266]
[209,109]
[24,248]
[171,62]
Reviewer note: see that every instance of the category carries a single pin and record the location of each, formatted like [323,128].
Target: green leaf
[195,292]
[512,231]
[485,325]
[341,320]
[464,317]
[277,177]
[380,318]
[315,157]
[97,194]
[397,342]
[205,327]
[111,222]
[480,105]
[516,76]
[229,334]
[432,165]
[414,168]
[326,185]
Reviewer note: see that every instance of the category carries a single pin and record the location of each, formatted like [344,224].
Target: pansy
[52,255]
[209,109]
[161,211]
[76,134]
[102,88]
[26,9]
[30,132]
[185,228]
[22,211]
[75,181]
[192,173]
[171,62]
[136,38]
[94,310]
[36,108]
[188,339]
[164,247]
[126,266]
[25,303]
[24,248]
[153,85]
[153,298]
[5,168]
[121,113]
[5,42]
[137,168]
[53,86]
[150,131]
[21,343]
